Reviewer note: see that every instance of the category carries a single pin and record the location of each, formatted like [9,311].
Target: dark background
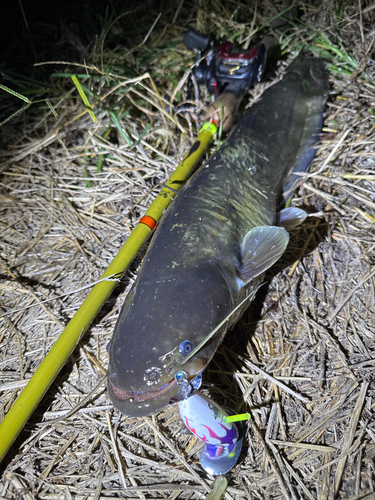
[33,31]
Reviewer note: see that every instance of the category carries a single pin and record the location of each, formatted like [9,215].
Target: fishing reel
[225,65]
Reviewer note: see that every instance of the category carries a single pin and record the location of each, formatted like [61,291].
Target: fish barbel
[214,243]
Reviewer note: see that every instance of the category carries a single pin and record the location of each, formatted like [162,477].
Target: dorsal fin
[290,217]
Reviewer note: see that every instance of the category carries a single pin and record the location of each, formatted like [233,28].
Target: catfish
[214,244]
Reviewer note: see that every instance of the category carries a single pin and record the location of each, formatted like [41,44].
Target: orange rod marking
[149,221]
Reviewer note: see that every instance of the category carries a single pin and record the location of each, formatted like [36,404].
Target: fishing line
[112,277]
[205,340]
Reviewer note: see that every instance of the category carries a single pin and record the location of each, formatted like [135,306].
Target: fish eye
[185,347]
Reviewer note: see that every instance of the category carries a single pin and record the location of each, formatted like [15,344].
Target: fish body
[214,244]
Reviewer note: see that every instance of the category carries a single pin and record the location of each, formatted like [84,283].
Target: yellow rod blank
[60,352]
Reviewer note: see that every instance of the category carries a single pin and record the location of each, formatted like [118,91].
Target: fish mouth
[139,396]
[193,369]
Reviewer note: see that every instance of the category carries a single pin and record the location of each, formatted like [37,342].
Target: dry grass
[300,359]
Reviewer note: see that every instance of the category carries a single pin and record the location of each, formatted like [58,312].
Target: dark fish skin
[201,262]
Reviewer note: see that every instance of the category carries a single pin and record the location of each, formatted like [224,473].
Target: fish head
[161,322]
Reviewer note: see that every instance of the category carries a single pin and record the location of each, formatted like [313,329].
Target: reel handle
[193,40]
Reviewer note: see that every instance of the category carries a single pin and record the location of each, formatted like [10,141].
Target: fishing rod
[56,358]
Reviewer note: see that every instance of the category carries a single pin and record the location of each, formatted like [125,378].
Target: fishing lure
[208,422]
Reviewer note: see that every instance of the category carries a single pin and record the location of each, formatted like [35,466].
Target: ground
[299,360]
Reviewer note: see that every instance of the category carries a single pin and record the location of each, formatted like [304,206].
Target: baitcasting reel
[226,65]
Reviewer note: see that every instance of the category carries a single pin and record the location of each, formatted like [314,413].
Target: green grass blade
[16,94]
[147,128]
[52,109]
[84,97]
[120,128]
[18,112]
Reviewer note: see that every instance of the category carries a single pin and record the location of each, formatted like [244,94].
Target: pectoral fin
[290,217]
[261,248]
